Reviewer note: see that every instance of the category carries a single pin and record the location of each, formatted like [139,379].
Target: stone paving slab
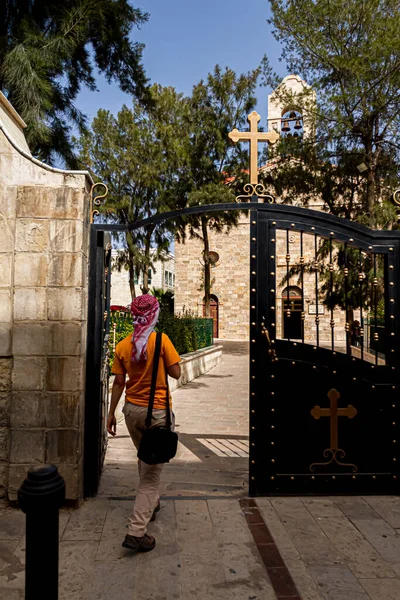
[335,548]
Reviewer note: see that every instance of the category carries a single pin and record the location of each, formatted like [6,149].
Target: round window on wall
[214,258]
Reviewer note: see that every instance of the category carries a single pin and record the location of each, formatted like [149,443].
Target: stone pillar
[44,218]
[7,226]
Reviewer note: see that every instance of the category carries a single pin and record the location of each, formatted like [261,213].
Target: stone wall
[309,291]
[194,364]
[230,283]
[230,279]
[44,220]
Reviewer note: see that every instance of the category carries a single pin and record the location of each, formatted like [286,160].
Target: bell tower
[286,116]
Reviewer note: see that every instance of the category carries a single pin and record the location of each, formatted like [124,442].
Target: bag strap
[156,360]
[169,422]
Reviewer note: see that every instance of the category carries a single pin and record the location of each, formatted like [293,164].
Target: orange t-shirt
[139,373]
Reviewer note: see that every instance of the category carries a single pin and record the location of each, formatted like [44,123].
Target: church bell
[285,126]
[298,124]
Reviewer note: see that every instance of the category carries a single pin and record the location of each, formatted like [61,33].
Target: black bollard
[40,497]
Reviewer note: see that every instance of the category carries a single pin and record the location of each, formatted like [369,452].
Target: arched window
[293,292]
[291,124]
[292,308]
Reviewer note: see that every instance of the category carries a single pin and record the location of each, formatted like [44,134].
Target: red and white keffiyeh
[145,310]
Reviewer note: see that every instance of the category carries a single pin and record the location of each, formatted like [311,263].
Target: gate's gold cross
[334,412]
[253,136]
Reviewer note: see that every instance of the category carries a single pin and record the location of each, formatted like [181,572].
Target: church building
[299,308]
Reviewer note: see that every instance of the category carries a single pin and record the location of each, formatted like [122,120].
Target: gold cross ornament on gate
[253,136]
[334,412]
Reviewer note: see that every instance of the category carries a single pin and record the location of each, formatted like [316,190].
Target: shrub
[187,332]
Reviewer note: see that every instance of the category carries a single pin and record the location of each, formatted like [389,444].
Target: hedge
[187,332]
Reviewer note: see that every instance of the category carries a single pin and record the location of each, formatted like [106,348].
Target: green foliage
[348,51]
[49,52]
[138,155]
[216,107]
[165,298]
[186,331]
[123,327]
[175,155]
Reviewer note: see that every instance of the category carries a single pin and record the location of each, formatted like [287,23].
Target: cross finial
[253,136]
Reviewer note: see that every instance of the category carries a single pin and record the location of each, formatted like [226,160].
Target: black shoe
[139,544]
[155,511]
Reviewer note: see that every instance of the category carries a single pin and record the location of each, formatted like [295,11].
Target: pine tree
[49,51]
[216,107]
[348,51]
[138,154]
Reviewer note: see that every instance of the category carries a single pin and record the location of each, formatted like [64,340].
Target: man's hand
[112,425]
[117,391]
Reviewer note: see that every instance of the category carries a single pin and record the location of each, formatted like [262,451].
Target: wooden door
[213,314]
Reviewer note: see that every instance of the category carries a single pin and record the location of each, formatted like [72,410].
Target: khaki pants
[148,493]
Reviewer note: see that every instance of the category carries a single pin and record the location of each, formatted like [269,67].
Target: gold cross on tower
[334,412]
[253,136]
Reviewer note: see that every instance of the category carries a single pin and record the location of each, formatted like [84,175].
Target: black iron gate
[323,408]
[323,413]
[97,369]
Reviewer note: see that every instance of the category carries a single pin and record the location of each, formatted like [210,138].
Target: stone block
[7,228]
[70,473]
[50,202]
[30,339]
[65,270]
[85,297]
[5,339]
[4,409]
[66,236]
[84,336]
[27,410]
[28,373]
[62,409]
[65,338]
[3,480]
[16,475]
[5,269]
[62,446]
[5,305]
[64,304]
[63,374]
[31,235]
[30,304]
[30,269]
[27,446]
[5,374]
[4,443]
[8,201]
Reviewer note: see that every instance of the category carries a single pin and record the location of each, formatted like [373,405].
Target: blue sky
[185,39]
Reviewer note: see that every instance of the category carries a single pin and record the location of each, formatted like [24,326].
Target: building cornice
[39,163]
[11,111]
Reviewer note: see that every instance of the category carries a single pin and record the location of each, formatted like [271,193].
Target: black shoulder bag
[158,444]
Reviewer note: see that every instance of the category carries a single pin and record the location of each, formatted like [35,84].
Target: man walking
[134,357]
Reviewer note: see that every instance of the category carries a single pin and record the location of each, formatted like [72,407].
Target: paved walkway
[209,545]
[212,422]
